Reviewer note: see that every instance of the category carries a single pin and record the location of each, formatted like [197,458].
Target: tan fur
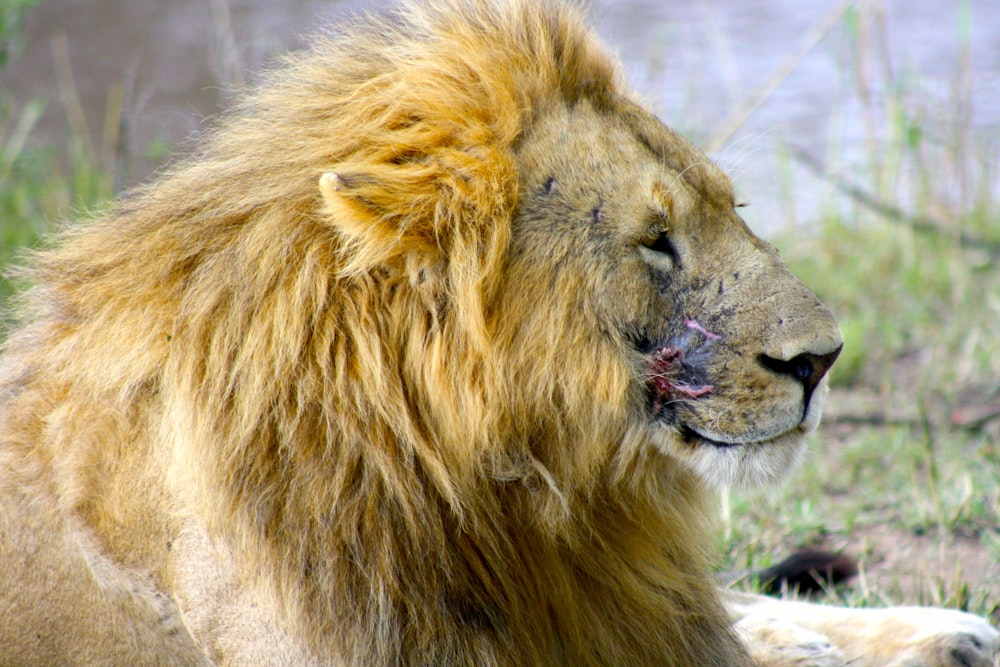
[367,380]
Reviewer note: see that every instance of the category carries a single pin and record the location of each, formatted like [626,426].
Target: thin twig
[920,223]
[871,419]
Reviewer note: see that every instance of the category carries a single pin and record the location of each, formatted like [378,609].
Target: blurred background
[865,136]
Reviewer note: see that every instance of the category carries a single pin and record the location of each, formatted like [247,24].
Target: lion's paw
[942,638]
[779,643]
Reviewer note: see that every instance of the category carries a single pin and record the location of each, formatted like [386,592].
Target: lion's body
[364,381]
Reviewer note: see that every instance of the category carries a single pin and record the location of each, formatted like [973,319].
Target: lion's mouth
[691,437]
[679,391]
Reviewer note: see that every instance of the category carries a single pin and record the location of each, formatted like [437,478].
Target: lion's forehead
[626,164]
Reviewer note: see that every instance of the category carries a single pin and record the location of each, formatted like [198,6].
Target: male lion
[429,357]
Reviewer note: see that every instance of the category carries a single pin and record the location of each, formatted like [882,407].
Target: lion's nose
[807,368]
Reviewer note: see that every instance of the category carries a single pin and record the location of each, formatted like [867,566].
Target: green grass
[43,184]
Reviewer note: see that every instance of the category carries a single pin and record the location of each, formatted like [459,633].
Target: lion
[433,354]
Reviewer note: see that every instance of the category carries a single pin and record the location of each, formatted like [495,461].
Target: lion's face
[628,233]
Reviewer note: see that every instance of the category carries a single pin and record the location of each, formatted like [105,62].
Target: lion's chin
[722,462]
[746,464]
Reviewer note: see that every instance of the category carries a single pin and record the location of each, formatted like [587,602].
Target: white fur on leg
[892,637]
[779,643]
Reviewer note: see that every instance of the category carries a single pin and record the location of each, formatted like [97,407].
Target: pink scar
[691,324]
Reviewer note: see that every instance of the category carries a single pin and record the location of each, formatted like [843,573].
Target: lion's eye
[659,252]
[662,244]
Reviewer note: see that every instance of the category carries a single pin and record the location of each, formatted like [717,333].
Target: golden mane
[299,326]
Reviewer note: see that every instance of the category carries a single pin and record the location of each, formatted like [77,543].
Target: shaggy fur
[366,381]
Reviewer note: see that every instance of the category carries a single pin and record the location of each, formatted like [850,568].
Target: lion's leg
[64,603]
[892,637]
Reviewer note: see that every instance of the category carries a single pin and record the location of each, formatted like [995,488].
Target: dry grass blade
[70,96]
[735,120]
[14,145]
[230,63]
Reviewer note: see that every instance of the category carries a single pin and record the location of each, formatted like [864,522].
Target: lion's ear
[363,212]
[453,200]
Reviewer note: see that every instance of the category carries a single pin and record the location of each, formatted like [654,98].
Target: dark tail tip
[808,572]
